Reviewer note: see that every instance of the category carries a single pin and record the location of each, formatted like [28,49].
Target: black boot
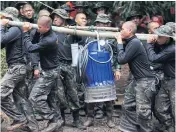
[109,110]
[76,121]
[63,116]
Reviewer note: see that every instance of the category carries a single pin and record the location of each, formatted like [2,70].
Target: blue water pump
[99,78]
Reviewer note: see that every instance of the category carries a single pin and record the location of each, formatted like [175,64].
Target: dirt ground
[99,124]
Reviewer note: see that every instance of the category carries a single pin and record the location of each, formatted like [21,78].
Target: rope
[91,28]
[75,30]
[98,40]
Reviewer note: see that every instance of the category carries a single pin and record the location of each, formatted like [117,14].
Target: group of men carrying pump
[41,83]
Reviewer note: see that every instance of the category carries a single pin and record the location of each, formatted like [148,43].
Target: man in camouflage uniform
[81,20]
[13,90]
[157,69]
[103,20]
[80,6]
[172,25]
[165,99]
[83,7]
[19,6]
[69,10]
[136,16]
[28,13]
[68,95]
[32,58]
[137,115]
[100,8]
[116,17]
[47,49]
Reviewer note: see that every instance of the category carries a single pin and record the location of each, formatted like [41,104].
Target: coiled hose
[83,60]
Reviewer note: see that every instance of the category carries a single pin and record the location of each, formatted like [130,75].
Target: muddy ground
[99,124]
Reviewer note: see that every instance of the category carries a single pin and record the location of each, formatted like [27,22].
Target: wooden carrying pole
[105,34]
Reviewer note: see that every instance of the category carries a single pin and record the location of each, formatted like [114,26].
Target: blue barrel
[100,84]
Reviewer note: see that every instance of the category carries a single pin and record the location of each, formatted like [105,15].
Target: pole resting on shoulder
[105,34]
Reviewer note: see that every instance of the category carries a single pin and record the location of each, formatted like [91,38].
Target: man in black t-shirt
[138,98]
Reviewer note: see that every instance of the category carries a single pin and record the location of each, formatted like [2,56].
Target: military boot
[170,129]
[63,116]
[17,125]
[109,110]
[76,121]
[89,122]
[99,115]
[82,112]
[53,126]
[110,123]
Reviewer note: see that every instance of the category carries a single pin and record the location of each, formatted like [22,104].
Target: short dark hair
[27,5]
[132,26]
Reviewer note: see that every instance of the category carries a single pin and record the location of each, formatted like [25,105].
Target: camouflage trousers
[30,79]
[40,92]
[69,91]
[24,104]
[165,102]
[14,100]
[13,77]
[137,106]
[109,108]
[99,108]
[81,89]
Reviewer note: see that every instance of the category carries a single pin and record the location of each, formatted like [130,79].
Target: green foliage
[148,8]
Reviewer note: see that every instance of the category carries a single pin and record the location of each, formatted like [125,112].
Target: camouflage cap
[80,4]
[103,18]
[164,30]
[99,5]
[133,14]
[60,12]
[67,8]
[11,12]
[171,25]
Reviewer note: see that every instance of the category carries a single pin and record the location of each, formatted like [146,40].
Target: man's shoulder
[136,41]
[15,28]
[51,38]
[52,34]
[60,35]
